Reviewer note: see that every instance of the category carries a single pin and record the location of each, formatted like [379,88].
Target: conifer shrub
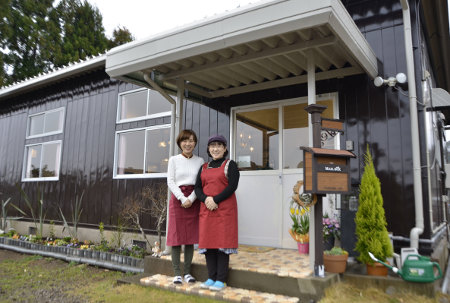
[371,232]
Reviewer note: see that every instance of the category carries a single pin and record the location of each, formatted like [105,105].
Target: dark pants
[217,263]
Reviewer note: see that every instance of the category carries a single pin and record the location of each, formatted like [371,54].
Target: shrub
[370,219]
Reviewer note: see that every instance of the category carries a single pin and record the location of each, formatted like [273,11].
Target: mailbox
[326,171]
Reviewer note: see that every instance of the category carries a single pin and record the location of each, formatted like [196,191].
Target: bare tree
[157,196]
[152,200]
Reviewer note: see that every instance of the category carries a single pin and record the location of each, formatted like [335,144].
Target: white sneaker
[177,280]
[189,279]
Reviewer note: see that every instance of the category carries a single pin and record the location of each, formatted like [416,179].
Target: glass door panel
[257,136]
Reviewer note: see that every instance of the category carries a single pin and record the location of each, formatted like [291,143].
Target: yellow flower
[292,210]
[296,211]
[303,211]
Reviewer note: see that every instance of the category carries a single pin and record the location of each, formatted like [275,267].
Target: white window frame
[25,162]
[116,153]
[63,109]
[152,116]
[277,104]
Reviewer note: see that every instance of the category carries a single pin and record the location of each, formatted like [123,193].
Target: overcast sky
[148,17]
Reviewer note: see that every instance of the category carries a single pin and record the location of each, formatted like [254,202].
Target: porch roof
[260,46]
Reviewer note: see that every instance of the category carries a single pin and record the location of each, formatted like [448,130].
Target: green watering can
[416,268]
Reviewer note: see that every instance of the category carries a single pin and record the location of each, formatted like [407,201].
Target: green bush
[370,218]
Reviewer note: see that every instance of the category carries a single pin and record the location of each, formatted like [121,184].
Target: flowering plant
[300,223]
[331,228]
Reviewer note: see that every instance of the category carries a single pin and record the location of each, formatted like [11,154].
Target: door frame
[284,217]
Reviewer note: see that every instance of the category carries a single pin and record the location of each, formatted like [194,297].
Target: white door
[265,143]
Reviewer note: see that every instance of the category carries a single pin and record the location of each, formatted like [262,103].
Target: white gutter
[418,203]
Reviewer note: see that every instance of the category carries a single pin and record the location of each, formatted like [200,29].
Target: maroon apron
[183,222]
[218,228]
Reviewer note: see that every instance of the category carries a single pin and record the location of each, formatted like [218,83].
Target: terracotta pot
[377,269]
[335,263]
[303,248]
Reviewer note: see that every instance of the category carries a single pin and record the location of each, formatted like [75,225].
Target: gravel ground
[42,279]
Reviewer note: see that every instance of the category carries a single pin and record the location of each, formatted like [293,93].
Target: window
[142,152]
[142,104]
[46,123]
[257,139]
[42,161]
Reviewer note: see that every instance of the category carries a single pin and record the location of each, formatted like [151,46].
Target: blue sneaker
[207,284]
[217,286]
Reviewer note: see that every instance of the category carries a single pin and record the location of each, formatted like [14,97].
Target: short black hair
[224,154]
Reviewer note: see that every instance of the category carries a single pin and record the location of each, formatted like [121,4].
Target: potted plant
[335,260]
[300,227]
[371,232]
[331,231]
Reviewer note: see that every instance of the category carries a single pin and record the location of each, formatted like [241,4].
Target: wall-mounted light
[391,81]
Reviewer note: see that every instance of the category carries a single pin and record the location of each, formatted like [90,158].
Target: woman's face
[188,145]
[217,150]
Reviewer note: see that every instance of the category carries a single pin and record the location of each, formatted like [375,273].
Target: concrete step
[230,294]
[295,282]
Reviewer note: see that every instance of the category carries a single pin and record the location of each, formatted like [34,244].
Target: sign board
[326,171]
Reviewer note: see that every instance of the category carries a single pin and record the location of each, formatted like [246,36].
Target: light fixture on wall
[391,81]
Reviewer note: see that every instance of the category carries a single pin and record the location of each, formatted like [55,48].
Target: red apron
[183,222]
[218,228]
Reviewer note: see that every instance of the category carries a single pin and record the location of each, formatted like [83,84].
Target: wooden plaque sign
[326,171]
[332,125]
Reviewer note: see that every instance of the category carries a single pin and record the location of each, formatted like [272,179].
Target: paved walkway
[281,262]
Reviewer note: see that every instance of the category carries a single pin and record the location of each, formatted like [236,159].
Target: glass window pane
[133,105]
[36,125]
[257,139]
[295,134]
[130,157]
[158,103]
[158,144]
[33,161]
[53,121]
[50,160]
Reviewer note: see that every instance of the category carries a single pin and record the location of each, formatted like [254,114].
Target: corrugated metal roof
[58,74]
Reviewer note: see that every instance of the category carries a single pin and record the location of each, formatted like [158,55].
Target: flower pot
[335,263]
[303,248]
[377,269]
[303,238]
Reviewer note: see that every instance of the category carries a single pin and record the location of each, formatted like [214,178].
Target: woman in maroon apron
[183,205]
[215,186]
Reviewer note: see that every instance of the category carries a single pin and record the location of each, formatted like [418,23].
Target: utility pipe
[173,119]
[418,202]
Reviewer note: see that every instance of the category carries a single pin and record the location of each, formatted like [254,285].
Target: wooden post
[316,110]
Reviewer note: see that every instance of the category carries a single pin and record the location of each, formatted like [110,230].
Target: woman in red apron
[215,186]
[183,205]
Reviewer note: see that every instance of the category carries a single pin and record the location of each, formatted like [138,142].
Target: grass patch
[106,292]
[346,292]
[36,279]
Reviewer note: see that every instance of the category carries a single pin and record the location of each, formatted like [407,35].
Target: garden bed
[110,260]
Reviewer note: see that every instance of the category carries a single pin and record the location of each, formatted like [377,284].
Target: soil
[37,288]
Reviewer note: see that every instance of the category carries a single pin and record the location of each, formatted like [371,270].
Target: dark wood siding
[87,158]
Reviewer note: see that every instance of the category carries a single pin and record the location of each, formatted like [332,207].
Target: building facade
[106,126]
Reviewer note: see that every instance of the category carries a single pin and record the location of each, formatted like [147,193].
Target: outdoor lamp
[391,81]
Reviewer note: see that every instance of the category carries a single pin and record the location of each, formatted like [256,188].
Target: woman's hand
[187,204]
[210,204]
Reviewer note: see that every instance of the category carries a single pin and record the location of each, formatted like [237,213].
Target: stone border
[91,257]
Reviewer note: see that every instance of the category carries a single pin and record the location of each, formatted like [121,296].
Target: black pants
[217,263]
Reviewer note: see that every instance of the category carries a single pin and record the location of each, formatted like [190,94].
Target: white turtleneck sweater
[183,171]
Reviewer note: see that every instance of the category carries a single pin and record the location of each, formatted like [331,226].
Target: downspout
[418,203]
[173,119]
